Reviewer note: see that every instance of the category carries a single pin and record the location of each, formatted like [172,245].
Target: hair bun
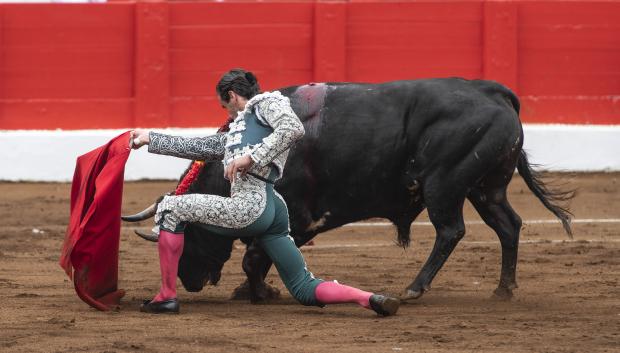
[250,77]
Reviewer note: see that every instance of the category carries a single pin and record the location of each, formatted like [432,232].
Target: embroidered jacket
[271,108]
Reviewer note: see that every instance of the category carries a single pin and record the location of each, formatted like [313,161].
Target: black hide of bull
[389,150]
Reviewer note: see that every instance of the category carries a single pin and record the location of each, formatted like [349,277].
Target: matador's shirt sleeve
[276,111]
[210,148]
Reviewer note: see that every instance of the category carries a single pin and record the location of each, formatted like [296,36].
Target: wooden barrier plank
[571,61]
[500,56]
[570,50]
[330,54]
[446,12]
[247,36]
[197,111]
[51,114]
[3,70]
[67,65]
[602,36]
[274,40]
[202,83]
[4,118]
[49,51]
[152,73]
[576,85]
[68,59]
[227,13]
[199,59]
[68,37]
[377,65]
[411,35]
[390,41]
[42,84]
[197,106]
[81,18]
[572,13]
[570,110]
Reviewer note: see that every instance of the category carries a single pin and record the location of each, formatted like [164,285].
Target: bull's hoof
[242,292]
[410,294]
[263,293]
[502,294]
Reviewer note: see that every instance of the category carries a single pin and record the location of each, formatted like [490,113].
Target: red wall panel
[208,39]
[50,114]
[576,43]
[568,61]
[66,66]
[124,64]
[78,51]
[152,65]
[391,41]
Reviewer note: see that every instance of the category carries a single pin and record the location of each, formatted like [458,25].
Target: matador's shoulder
[268,101]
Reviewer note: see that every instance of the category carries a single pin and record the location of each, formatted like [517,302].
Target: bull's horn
[147,236]
[141,216]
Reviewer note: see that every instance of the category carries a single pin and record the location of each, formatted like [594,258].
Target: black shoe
[170,306]
[384,306]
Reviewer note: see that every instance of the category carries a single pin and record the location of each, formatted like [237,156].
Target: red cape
[92,239]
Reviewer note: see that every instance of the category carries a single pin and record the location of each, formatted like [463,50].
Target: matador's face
[235,104]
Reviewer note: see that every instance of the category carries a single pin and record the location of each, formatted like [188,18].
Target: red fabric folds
[90,251]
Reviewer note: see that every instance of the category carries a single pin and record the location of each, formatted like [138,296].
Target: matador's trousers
[254,209]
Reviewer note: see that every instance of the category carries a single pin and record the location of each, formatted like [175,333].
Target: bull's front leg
[256,264]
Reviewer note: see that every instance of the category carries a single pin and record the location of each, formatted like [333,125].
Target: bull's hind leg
[493,207]
[445,210]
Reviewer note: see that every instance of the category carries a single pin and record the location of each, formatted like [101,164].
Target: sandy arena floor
[568,299]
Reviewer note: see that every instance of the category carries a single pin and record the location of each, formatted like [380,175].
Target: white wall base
[50,155]
[578,148]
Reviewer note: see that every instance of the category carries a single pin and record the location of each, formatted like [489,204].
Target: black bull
[390,150]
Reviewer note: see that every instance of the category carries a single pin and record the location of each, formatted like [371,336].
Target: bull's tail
[549,197]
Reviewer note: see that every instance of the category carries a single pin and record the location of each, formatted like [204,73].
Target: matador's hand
[241,164]
[139,138]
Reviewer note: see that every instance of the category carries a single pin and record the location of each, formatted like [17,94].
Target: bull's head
[204,253]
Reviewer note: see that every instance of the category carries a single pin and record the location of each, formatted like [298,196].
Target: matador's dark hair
[240,81]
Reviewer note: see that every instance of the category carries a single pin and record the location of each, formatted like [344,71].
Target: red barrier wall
[155,64]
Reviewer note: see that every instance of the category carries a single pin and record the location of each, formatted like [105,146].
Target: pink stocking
[335,293]
[170,248]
